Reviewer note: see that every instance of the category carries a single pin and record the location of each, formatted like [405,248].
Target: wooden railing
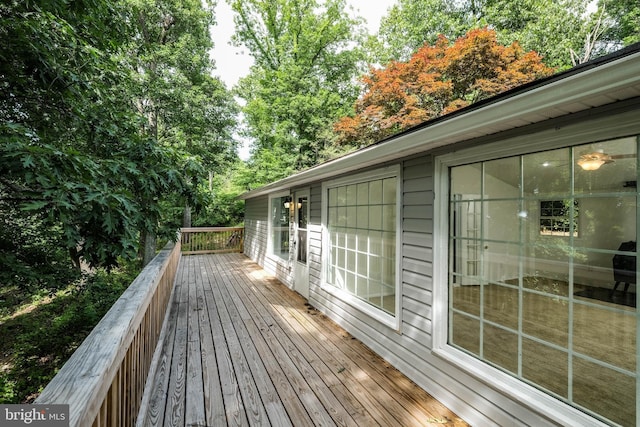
[103,381]
[209,240]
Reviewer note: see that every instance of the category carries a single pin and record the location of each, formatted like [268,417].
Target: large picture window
[361,224]
[530,295]
[279,226]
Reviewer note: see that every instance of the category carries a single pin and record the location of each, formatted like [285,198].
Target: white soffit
[593,87]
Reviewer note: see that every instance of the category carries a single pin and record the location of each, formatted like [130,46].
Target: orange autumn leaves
[437,80]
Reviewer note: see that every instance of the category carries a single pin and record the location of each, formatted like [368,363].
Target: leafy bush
[221,207]
[31,254]
[45,328]
[225,211]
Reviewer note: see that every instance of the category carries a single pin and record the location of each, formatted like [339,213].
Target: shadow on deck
[243,349]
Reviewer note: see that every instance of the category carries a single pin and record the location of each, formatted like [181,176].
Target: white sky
[232,63]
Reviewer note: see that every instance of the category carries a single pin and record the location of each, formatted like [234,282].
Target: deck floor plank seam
[254,406]
[212,390]
[270,397]
[194,389]
[174,411]
[292,345]
[364,407]
[352,405]
[243,349]
[379,370]
[348,360]
[233,404]
[154,415]
[291,372]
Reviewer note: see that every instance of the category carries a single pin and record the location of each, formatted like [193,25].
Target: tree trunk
[76,259]
[149,248]
[186,216]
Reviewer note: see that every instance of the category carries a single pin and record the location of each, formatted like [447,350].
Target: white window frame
[375,313]
[270,252]
[526,395]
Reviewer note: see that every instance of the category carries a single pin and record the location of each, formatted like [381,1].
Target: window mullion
[571,276]
[521,240]
[482,257]
[637,274]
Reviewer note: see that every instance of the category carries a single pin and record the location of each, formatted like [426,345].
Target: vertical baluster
[112,402]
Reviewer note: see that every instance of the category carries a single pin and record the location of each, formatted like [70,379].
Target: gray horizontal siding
[315,240]
[417,253]
[256,228]
[408,349]
[256,238]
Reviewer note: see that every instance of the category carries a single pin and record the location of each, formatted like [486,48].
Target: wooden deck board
[157,401]
[248,349]
[174,410]
[293,323]
[212,393]
[334,367]
[194,405]
[243,349]
[232,401]
[338,352]
[254,408]
[311,384]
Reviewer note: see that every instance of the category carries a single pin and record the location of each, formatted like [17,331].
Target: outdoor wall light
[287,202]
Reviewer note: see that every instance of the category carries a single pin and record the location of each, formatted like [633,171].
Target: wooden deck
[243,349]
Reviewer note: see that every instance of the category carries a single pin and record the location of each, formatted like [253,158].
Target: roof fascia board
[571,90]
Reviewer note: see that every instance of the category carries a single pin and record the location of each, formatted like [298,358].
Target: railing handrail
[211,240]
[98,371]
[207,229]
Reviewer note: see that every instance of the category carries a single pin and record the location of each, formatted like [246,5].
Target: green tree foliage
[63,131]
[305,62]
[45,326]
[550,27]
[109,119]
[622,22]
[107,110]
[183,106]
[409,24]
[225,210]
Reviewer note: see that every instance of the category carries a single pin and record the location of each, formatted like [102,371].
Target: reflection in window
[361,222]
[302,208]
[558,218]
[279,227]
[531,295]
